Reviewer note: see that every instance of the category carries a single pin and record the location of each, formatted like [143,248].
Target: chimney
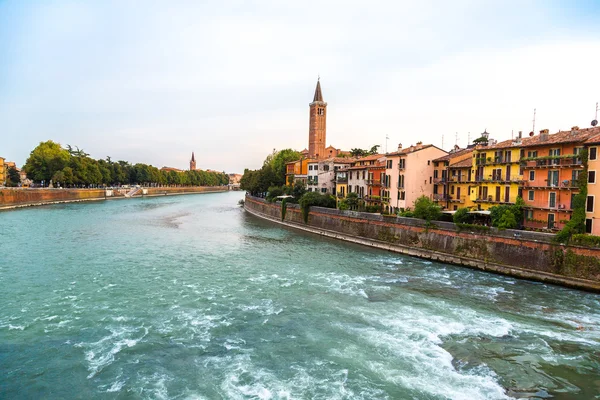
[399,146]
[544,135]
[574,130]
[520,134]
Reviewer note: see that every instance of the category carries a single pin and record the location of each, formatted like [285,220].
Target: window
[428,162]
[363,175]
[532,175]
[593,154]
[402,163]
[452,189]
[325,167]
[591,176]
[435,174]
[530,195]
[402,195]
[350,177]
[323,190]
[552,200]
[430,180]
[321,111]
[349,188]
[529,214]
[553,178]
[532,154]
[589,207]
[310,167]
[389,164]
[588,226]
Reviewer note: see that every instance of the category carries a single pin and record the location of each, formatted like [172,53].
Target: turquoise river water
[191,297]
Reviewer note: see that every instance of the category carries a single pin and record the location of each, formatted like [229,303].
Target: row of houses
[543,169]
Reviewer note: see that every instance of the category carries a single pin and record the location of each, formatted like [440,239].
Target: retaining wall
[523,254]
[23,197]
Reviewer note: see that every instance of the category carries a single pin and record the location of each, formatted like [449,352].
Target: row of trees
[68,167]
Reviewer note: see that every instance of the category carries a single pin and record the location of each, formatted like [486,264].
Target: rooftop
[570,136]
[462,164]
[450,156]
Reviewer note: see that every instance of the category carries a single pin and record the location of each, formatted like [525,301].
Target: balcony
[491,200]
[460,199]
[341,179]
[373,182]
[374,199]
[441,197]
[547,162]
[498,179]
[439,181]
[566,184]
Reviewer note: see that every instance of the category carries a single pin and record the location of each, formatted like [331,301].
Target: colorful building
[592,207]
[358,175]
[551,168]
[459,184]
[410,174]
[498,174]
[377,185]
[451,179]
[297,171]
[2,172]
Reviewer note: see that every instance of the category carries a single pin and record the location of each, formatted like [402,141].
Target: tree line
[69,167]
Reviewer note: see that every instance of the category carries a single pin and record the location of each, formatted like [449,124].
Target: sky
[151,81]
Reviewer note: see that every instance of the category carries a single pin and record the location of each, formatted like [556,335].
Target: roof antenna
[456,139]
[533,130]
[595,121]
[386,139]
[442,140]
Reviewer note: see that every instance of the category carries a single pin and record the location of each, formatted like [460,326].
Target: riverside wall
[522,254]
[24,197]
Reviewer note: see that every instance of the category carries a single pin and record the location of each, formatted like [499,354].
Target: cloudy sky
[152,81]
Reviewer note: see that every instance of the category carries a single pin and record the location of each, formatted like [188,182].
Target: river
[191,297]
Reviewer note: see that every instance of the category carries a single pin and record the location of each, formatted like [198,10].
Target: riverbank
[27,197]
[528,255]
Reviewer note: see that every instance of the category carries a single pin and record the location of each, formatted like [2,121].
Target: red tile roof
[571,136]
[462,164]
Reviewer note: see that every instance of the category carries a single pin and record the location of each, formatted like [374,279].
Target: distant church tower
[317,128]
[192,163]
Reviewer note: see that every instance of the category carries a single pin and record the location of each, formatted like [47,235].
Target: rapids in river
[191,297]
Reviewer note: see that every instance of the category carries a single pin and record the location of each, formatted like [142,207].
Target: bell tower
[317,129]
[193,162]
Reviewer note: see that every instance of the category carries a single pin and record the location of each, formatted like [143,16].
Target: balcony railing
[491,199]
[375,199]
[554,162]
[341,180]
[565,184]
[498,179]
[440,180]
[373,182]
[441,197]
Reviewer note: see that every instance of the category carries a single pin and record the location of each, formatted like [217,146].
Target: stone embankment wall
[522,254]
[12,198]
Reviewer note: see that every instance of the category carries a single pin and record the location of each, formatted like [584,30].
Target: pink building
[410,174]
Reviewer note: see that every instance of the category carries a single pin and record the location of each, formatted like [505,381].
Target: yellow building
[2,172]
[498,173]
[341,184]
[460,185]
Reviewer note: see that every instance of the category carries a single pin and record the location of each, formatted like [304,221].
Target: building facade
[451,179]
[411,174]
[592,206]
[2,172]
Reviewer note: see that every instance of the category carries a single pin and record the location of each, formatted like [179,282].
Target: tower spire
[318,94]
[193,162]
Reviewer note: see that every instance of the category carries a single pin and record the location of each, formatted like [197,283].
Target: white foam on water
[265,307]
[12,327]
[102,353]
[342,283]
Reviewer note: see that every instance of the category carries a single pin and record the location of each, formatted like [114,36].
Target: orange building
[551,166]
[377,185]
[592,206]
[451,177]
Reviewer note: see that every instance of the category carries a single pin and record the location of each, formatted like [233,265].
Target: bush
[273,192]
[315,199]
[426,209]
[586,240]
[406,213]
[461,216]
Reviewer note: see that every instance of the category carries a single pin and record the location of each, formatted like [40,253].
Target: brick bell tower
[317,130]
[193,163]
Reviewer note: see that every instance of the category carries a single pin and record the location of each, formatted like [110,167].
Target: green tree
[426,209]
[278,160]
[461,216]
[12,177]
[45,160]
[352,200]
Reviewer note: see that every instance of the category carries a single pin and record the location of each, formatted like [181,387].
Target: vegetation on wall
[508,216]
[68,167]
[315,199]
[577,223]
